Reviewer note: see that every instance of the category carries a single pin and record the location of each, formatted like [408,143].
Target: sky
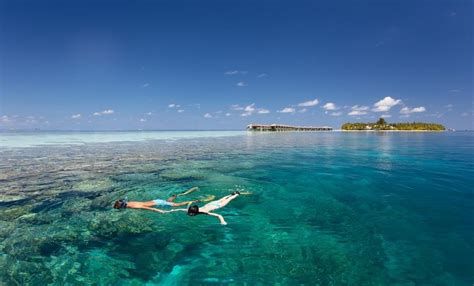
[186,65]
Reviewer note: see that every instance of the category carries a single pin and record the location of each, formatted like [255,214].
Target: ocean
[326,208]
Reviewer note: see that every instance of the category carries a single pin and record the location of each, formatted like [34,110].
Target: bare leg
[173,197]
[183,203]
[188,191]
[225,200]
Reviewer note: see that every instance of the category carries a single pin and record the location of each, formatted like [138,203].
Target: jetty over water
[281,128]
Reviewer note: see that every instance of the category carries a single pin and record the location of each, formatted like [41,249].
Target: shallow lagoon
[327,208]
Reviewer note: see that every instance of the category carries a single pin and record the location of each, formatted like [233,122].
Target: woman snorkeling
[207,209]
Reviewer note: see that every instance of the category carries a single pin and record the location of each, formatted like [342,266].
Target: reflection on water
[32,139]
[327,208]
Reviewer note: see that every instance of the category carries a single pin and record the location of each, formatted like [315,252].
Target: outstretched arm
[162,211]
[176,210]
[221,218]
[153,209]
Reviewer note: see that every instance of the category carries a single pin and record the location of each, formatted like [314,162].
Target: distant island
[381,124]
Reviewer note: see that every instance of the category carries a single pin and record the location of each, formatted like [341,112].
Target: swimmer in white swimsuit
[208,208]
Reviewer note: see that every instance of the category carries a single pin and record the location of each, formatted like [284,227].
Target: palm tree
[381,122]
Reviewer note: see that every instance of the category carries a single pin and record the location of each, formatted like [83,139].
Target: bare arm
[176,210]
[153,209]
[221,218]
[245,193]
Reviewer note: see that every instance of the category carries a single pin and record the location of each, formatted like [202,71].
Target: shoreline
[391,130]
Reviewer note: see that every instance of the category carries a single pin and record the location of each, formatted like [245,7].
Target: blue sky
[112,65]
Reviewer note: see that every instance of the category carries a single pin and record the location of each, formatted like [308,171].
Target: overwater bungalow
[282,128]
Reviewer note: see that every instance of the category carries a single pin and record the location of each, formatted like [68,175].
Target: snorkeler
[149,205]
[209,207]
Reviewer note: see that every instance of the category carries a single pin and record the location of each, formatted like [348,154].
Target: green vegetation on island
[381,124]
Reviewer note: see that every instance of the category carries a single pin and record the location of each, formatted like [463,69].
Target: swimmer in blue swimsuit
[149,205]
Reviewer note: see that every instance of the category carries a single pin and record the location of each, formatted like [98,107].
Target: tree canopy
[381,124]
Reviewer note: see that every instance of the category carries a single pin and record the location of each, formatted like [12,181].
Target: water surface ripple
[327,209]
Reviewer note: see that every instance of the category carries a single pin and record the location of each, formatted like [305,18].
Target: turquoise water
[326,209]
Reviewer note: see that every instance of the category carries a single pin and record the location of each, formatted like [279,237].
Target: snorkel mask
[193,210]
[120,204]
[123,204]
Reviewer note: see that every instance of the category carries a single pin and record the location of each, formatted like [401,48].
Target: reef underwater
[326,209]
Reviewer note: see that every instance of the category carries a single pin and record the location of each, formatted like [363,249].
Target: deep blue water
[326,209]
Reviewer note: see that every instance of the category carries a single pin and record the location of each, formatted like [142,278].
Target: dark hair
[193,210]
[120,204]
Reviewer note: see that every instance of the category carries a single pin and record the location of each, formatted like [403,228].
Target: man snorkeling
[209,207]
[149,205]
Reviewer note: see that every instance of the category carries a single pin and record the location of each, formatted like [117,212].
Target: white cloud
[302,110]
[180,110]
[385,104]
[309,103]
[360,108]
[174,105]
[336,113]
[385,115]
[357,112]
[234,72]
[262,75]
[142,120]
[330,106]
[287,110]
[76,116]
[104,112]
[454,90]
[236,107]
[146,84]
[407,110]
[241,84]
[249,109]
[149,113]
[227,114]
[207,115]
[5,119]
[31,121]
